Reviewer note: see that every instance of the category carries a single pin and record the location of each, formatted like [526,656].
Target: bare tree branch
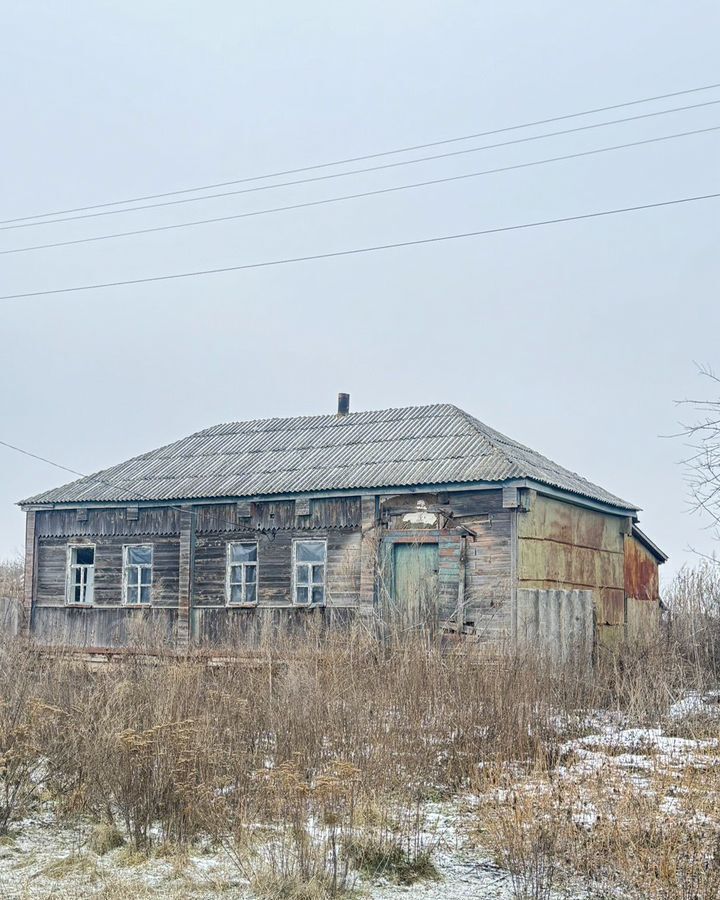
[702,465]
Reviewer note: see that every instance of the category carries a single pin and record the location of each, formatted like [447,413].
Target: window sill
[136,606]
[241,605]
[80,605]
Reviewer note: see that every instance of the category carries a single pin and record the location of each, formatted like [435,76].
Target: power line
[44,459]
[392,165]
[355,251]
[388,190]
[352,159]
[96,477]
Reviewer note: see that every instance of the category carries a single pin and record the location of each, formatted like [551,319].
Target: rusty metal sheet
[643,619]
[610,607]
[565,523]
[641,571]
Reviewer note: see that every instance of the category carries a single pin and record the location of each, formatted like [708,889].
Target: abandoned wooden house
[422,517]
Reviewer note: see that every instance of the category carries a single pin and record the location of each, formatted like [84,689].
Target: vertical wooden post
[187,566]
[514,551]
[368,552]
[30,573]
[460,614]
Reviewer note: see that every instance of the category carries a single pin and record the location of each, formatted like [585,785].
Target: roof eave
[540,487]
[659,554]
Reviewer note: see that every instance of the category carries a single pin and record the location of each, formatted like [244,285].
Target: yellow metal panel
[540,560]
[568,524]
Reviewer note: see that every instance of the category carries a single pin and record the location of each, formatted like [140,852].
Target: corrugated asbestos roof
[416,445]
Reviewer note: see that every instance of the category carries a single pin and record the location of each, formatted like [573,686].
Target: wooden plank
[369,547]
[108,521]
[104,627]
[30,572]
[186,565]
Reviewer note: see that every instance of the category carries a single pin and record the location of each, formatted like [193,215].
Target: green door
[415,585]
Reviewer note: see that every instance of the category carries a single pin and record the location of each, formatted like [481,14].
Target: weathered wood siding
[235,627]
[565,546]
[102,521]
[52,569]
[488,582]
[106,624]
[275,566]
[189,566]
[331,512]
[104,627]
[481,562]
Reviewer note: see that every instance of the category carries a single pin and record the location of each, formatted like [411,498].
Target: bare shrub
[693,598]
[20,760]
[311,759]
[526,845]
[11,578]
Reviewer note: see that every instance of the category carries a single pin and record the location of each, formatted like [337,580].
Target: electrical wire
[377,155]
[384,166]
[356,251]
[375,193]
[96,477]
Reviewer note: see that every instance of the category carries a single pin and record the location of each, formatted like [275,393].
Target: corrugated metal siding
[399,447]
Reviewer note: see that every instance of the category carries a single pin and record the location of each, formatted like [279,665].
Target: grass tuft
[104,838]
[378,859]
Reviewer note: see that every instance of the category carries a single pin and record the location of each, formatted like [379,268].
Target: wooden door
[415,585]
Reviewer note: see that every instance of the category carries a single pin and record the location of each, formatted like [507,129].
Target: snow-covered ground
[29,870]
[44,858]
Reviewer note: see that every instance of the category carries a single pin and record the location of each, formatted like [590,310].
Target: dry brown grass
[651,831]
[11,578]
[311,760]
[291,759]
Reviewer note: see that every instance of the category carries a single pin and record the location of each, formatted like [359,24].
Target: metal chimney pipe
[343,404]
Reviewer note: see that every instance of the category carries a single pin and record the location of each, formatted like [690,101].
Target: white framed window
[309,558]
[241,578]
[80,574]
[137,574]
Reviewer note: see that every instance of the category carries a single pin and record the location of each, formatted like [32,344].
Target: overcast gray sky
[574,338]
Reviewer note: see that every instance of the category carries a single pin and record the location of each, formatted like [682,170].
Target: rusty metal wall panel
[643,619]
[565,546]
[610,607]
[609,638]
[554,520]
[641,571]
[565,564]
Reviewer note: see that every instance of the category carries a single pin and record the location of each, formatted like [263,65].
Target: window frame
[137,588]
[71,567]
[309,584]
[229,564]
